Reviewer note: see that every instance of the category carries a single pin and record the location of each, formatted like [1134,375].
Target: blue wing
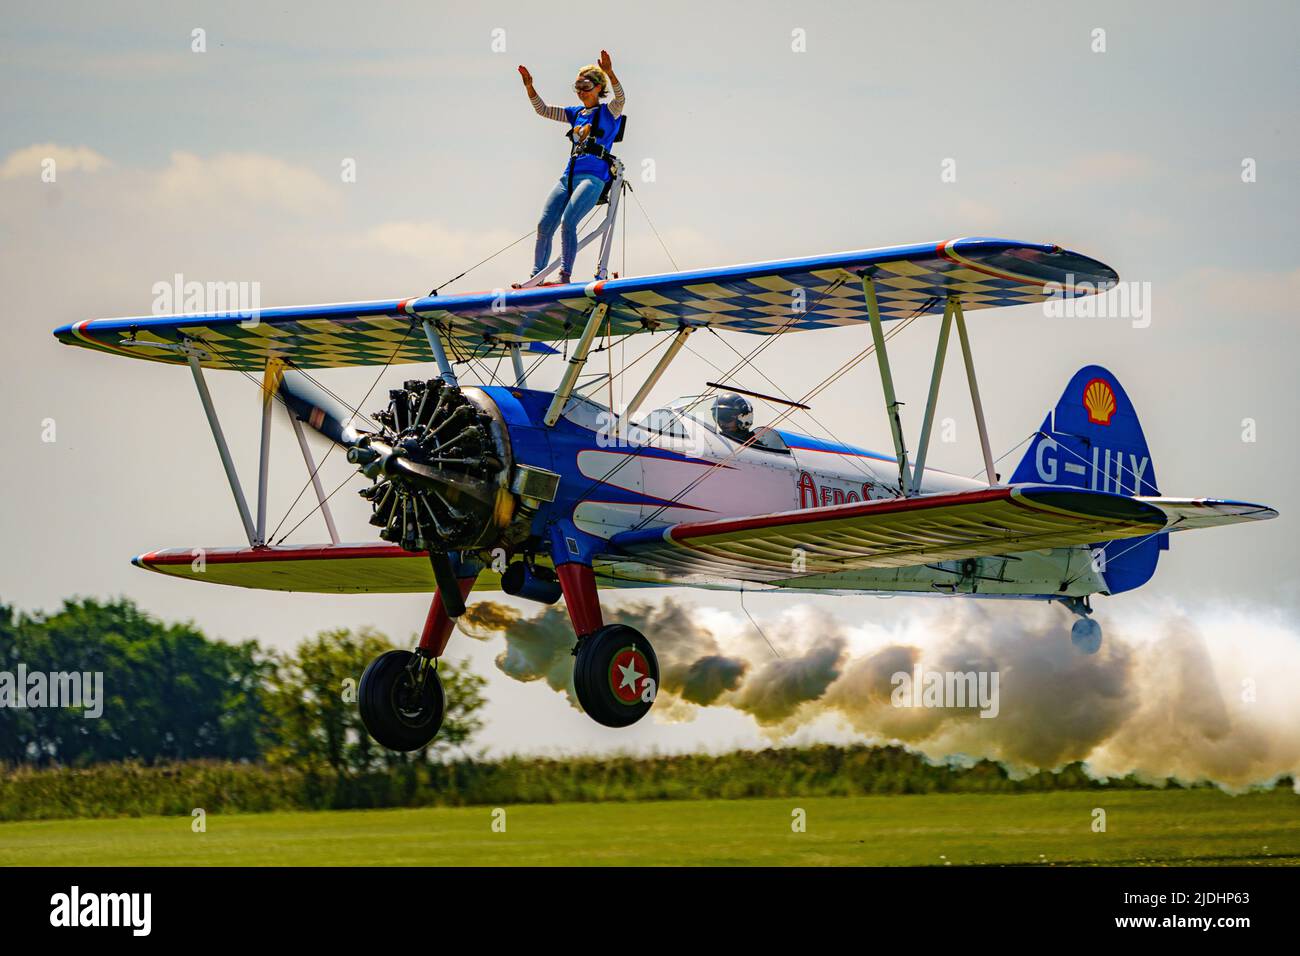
[763,298]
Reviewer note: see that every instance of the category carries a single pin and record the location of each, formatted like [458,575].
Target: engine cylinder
[438,466]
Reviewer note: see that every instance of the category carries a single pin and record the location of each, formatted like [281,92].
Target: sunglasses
[583,86]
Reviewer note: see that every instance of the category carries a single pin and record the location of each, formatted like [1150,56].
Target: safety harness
[590,146]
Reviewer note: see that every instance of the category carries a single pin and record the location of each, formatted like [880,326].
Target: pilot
[734,416]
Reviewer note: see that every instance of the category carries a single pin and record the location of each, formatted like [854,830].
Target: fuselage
[673,466]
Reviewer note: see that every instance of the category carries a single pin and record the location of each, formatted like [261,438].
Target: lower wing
[885,533]
[326,569]
[901,532]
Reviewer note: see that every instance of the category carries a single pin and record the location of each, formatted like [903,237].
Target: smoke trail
[536,649]
[1171,694]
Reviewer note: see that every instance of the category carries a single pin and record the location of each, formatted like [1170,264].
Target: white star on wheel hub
[630,674]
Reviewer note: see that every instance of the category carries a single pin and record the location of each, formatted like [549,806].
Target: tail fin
[1092,439]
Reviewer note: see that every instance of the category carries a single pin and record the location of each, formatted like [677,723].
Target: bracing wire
[320,464]
[805,399]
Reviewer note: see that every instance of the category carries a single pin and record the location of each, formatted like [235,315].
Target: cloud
[30,160]
[227,180]
[432,241]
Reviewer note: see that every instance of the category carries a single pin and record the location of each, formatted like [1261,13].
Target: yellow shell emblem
[1099,400]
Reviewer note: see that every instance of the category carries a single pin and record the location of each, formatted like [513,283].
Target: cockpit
[726,415]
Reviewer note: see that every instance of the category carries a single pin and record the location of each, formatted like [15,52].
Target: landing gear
[616,675]
[1085,635]
[401,700]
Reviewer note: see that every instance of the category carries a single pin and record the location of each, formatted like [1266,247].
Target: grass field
[1142,828]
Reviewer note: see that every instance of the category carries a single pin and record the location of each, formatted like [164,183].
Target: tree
[169,693]
[312,717]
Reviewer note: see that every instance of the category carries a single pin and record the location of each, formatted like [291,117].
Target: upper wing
[764,298]
[894,532]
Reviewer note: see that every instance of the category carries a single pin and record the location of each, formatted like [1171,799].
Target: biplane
[550,495]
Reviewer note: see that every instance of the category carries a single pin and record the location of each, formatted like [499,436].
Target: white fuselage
[686,471]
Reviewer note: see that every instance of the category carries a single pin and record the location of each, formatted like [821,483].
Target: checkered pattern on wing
[764,303]
[825,298]
[314,343]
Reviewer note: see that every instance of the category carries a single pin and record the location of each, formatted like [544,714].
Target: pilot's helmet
[734,415]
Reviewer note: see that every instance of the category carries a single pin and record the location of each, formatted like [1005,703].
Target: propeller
[434,464]
[315,406]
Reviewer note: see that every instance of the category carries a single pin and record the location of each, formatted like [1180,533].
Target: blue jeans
[566,212]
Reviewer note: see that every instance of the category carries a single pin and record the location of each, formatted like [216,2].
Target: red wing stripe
[809,516]
[256,555]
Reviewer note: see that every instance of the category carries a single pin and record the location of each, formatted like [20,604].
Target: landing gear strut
[615,670]
[400,697]
[1085,635]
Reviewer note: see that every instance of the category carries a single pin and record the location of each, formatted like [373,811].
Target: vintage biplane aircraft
[550,494]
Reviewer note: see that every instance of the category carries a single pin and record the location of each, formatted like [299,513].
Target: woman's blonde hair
[596,75]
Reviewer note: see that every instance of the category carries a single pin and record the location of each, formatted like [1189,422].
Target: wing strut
[315,478]
[679,339]
[940,351]
[576,362]
[517,360]
[974,392]
[222,448]
[886,381]
[952,310]
[439,353]
[270,385]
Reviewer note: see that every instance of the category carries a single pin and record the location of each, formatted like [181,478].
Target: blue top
[586,164]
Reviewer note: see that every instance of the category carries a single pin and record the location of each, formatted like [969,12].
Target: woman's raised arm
[616,104]
[539,105]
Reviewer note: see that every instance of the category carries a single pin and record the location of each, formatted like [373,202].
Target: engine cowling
[439,466]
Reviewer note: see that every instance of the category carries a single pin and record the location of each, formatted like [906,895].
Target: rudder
[1093,439]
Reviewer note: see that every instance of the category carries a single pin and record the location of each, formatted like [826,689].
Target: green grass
[1143,828]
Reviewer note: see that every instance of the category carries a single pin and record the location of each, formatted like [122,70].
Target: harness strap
[590,147]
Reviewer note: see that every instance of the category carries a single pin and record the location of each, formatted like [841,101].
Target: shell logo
[1099,400]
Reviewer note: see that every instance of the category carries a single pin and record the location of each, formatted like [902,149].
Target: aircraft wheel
[1085,635]
[616,675]
[398,713]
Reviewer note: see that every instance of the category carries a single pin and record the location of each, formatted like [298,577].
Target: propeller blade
[313,405]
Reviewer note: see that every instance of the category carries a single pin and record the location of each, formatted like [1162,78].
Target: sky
[1160,138]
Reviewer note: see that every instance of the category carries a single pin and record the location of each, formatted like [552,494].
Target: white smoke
[1203,694]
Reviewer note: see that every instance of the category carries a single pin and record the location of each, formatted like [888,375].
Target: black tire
[1085,635]
[394,714]
[605,664]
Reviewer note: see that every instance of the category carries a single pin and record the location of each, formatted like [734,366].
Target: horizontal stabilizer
[1186,514]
